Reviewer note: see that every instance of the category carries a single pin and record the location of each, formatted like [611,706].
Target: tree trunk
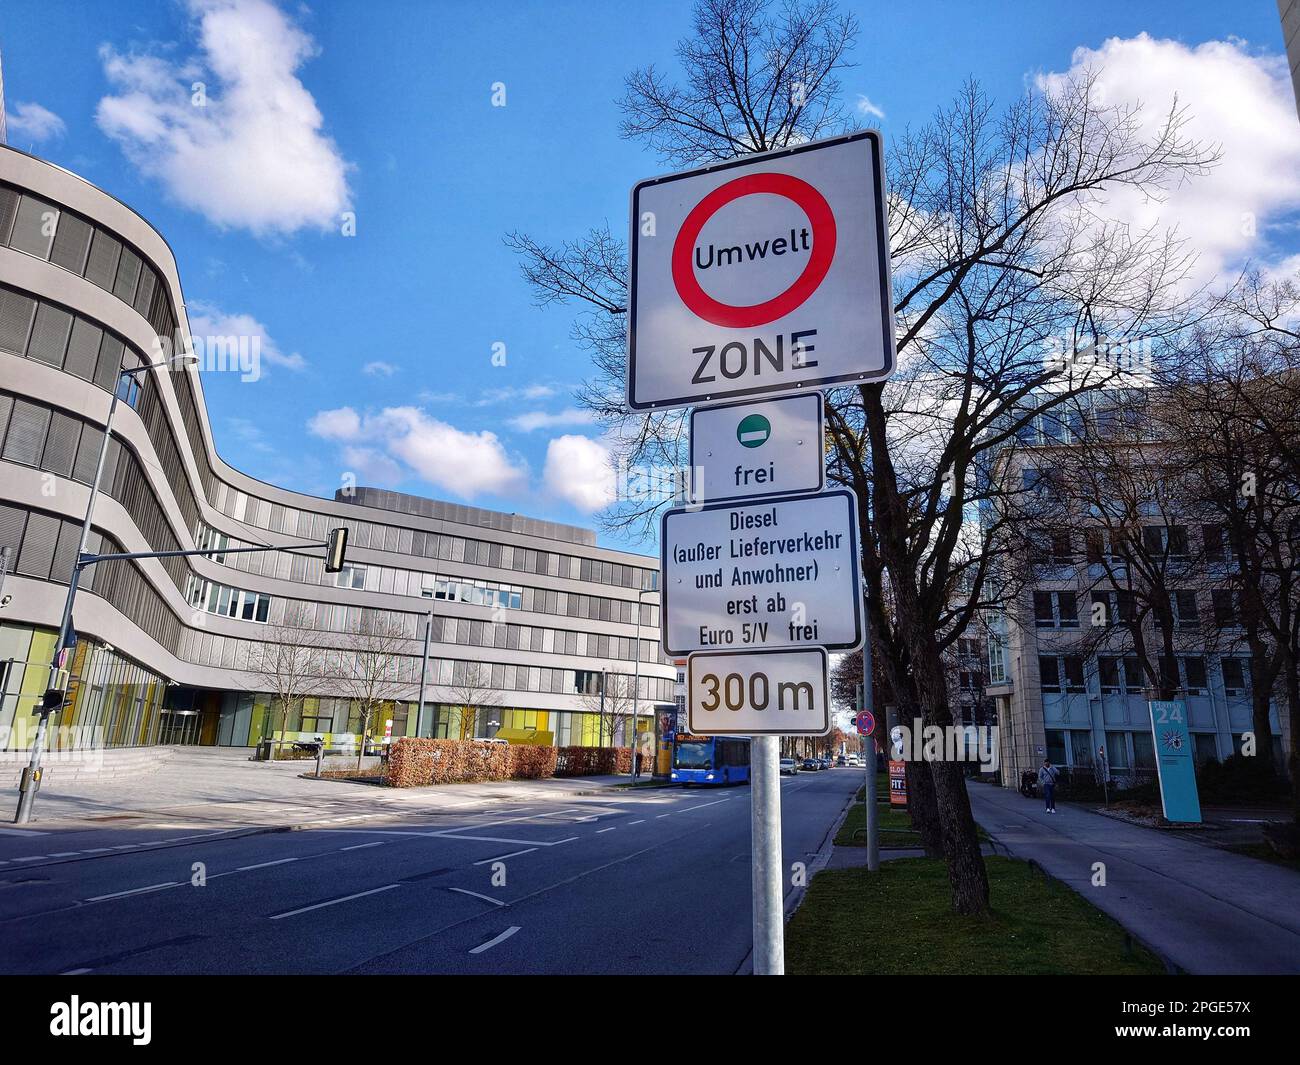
[1260,698]
[923,808]
[966,872]
[1292,667]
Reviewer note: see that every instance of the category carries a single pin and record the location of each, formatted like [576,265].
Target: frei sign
[765,574]
[767,274]
[770,448]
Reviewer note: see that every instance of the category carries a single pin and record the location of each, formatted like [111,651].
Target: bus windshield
[695,754]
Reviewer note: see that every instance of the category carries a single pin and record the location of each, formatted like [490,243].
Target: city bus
[710,760]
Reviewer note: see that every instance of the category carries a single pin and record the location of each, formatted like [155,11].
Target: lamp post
[636,679]
[67,637]
[424,671]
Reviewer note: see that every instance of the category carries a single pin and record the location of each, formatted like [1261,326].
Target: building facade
[532,611]
[1062,672]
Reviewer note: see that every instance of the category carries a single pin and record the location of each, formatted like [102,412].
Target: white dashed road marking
[485,898]
[334,902]
[495,940]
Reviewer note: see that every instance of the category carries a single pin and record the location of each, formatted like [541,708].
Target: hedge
[417,762]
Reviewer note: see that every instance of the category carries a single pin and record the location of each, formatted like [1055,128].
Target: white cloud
[34,122]
[374,369]
[208,320]
[396,440]
[507,395]
[579,470]
[1241,102]
[253,156]
[464,463]
[372,466]
[540,419]
[341,424]
[866,107]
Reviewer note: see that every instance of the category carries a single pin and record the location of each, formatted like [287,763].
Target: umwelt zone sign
[762,275]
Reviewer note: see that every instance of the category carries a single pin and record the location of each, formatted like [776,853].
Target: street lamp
[636,682]
[68,639]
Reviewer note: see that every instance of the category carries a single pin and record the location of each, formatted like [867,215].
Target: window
[1168,540]
[1062,549]
[1194,671]
[1144,751]
[1108,672]
[1117,750]
[1225,607]
[1049,672]
[1055,740]
[1056,610]
[1215,543]
[34,226]
[350,577]
[1169,678]
[1205,748]
[1186,613]
[1073,667]
[1234,676]
[1134,678]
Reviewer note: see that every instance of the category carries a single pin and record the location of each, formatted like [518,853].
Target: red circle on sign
[820,216]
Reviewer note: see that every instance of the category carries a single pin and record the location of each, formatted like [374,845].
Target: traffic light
[336,549]
[52,700]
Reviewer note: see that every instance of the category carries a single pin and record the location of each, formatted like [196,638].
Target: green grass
[895,827]
[898,921]
[895,823]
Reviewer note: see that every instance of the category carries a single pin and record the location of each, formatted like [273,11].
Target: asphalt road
[650,882]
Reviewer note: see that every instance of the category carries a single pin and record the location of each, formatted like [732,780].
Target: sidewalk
[1204,909]
[214,785]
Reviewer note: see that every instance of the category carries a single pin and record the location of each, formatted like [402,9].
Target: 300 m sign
[759,693]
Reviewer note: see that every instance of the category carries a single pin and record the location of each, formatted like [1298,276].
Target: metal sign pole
[765,829]
[873,815]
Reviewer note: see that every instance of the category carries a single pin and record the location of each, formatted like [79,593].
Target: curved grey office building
[86,287]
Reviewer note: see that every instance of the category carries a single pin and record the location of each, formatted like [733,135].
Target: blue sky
[403,317]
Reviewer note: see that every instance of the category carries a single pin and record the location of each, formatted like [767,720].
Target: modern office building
[1061,689]
[532,611]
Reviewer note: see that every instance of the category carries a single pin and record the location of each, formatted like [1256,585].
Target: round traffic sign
[865,723]
[753,431]
[820,217]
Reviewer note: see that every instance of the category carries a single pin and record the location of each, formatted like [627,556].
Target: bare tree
[368,667]
[614,711]
[1001,257]
[287,661]
[471,690]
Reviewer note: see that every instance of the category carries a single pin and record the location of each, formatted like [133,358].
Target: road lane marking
[63,854]
[495,940]
[133,891]
[264,865]
[503,857]
[333,902]
[640,822]
[363,846]
[485,898]
[610,829]
[662,815]
[559,841]
[22,832]
[703,805]
[76,972]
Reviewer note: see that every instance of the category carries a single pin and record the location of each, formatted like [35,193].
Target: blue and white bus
[710,760]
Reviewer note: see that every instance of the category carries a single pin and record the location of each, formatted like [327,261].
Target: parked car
[789,765]
[810,764]
[841,760]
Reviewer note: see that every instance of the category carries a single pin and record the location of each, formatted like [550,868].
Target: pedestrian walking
[1047,774]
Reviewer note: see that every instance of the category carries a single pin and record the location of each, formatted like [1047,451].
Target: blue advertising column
[1174,762]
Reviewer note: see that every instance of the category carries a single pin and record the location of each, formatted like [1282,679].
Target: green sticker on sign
[753,431]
